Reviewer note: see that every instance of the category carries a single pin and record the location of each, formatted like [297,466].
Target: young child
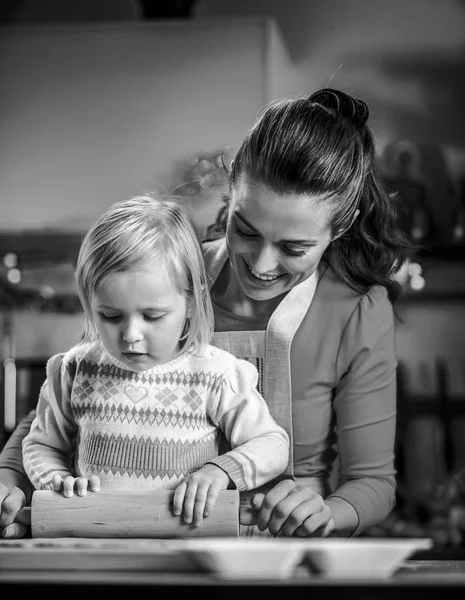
[143,400]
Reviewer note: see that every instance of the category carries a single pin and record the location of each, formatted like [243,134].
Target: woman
[302,262]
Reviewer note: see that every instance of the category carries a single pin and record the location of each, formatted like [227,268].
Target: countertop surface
[55,566]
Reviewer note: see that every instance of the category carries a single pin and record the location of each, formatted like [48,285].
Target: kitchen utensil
[124,514]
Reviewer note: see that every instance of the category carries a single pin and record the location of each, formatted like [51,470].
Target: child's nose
[132,333]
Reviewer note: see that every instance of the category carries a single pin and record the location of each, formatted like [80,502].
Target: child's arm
[259,446]
[48,447]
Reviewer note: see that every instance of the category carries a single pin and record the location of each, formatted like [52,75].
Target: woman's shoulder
[336,305]
[332,289]
[350,320]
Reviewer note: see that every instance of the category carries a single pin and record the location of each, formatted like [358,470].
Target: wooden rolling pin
[124,514]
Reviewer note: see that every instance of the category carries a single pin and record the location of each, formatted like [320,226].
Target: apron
[269,351]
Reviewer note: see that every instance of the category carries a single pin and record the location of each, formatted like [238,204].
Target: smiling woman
[302,259]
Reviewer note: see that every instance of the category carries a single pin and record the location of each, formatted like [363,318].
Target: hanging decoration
[204,186]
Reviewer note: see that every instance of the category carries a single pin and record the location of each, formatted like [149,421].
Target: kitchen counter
[56,571]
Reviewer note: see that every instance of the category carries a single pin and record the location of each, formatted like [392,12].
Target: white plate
[278,558]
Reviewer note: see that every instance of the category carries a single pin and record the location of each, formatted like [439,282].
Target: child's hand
[80,484]
[198,492]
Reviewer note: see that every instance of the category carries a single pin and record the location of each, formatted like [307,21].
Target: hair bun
[352,109]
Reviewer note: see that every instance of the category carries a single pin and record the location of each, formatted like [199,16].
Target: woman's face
[274,242]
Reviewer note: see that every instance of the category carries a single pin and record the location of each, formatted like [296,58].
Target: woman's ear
[356,213]
[342,231]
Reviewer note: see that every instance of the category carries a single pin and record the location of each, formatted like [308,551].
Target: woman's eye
[292,252]
[286,249]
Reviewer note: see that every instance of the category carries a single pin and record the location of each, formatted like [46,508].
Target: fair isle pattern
[146,409]
[148,430]
[114,413]
[113,373]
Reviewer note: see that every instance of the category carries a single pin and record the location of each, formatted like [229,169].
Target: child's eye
[110,318]
[152,318]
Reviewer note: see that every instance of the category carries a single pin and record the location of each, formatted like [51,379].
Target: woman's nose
[265,260]
[132,333]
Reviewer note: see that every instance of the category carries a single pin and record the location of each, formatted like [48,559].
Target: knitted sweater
[149,430]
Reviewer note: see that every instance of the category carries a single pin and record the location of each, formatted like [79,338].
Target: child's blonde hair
[134,232]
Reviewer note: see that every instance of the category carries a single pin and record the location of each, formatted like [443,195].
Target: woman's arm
[12,473]
[259,446]
[365,409]
[15,488]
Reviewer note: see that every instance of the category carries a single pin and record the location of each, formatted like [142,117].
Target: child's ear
[189,309]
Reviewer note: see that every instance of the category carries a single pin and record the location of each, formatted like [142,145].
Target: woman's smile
[262,277]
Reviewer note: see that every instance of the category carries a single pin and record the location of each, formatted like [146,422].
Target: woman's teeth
[262,277]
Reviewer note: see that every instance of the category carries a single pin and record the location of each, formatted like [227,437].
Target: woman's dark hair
[321,145]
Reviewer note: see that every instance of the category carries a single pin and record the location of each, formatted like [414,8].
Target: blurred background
[102,99]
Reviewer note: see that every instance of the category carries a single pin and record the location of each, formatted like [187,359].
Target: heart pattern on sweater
[135,394]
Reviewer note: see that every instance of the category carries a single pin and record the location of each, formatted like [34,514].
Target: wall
[406,59]
[93,113]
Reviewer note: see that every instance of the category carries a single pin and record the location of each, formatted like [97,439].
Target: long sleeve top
[148,430]
[342,398]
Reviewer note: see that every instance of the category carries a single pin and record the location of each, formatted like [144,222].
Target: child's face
[140,317]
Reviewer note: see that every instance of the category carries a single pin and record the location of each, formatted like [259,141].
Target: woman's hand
[196,495]
[290,509]
[12,499]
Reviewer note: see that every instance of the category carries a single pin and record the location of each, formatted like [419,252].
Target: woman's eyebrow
[297,242]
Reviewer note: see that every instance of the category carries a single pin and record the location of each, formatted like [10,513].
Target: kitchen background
[101,99]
